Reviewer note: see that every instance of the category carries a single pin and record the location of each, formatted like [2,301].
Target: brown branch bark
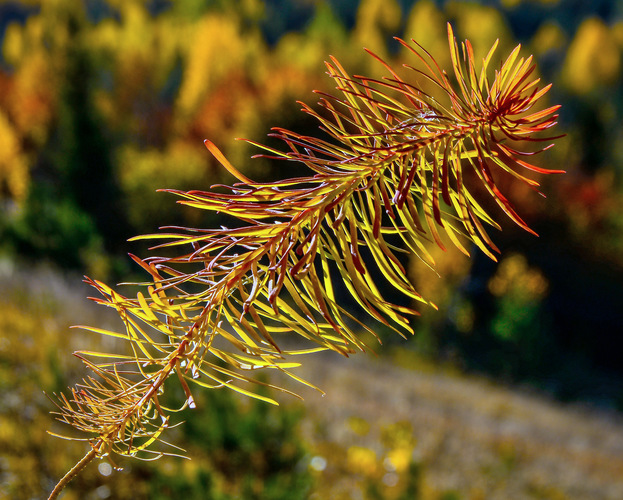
[84,461]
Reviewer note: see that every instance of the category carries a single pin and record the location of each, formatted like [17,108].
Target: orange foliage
[594,57]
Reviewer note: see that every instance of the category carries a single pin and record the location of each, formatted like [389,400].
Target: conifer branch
[73,472]
[400,169]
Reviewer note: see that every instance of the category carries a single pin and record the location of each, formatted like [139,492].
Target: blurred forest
[103,102]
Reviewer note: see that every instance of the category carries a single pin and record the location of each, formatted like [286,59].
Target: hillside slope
[475,438]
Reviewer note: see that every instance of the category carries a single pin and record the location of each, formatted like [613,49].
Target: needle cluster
[400,169]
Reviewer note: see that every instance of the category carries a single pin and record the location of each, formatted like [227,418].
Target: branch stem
[84,461]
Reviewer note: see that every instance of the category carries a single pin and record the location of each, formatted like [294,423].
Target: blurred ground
[384,420]
[472,436]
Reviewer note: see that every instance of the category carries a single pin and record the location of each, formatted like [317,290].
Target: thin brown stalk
[75,470]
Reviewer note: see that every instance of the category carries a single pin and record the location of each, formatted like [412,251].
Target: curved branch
[401,169]
[75,470]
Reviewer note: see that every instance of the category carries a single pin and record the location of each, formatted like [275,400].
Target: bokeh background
[102,103]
